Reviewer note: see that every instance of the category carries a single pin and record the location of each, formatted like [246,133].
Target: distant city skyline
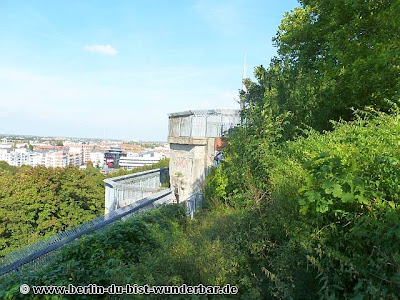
[7,136]
[71,69]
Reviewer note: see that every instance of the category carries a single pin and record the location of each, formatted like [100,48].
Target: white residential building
[18,157]
[22,156]
[4,154]
[42,159]
[97,158]
[86,151]
[83,150]
[38,159]
[33,159]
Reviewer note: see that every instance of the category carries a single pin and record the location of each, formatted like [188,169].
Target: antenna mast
[243,77]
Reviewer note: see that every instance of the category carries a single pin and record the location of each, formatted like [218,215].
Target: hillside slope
[325,224]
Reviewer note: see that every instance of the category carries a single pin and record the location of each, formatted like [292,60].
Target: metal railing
[193,203]
[125,190]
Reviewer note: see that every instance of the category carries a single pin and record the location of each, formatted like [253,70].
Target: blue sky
[73,68]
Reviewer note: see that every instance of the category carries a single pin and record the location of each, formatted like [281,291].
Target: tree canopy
[333,56]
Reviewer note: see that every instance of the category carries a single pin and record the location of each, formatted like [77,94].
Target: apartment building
[18,157]
[74,159]
[86,150]
[56,159]
[83,150]
[4,154]
[37,159]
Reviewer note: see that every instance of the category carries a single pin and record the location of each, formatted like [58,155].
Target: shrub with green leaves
[351,196]
[331,201]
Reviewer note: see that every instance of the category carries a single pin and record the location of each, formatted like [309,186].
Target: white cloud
[102,49]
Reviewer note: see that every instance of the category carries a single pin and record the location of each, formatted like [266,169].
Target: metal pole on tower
[243,77]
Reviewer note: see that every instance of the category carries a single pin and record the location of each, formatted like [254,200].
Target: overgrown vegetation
[293,212]
[318,218]
[327,203]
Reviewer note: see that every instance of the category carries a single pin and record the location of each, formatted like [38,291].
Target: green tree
[333,56]
[38,202]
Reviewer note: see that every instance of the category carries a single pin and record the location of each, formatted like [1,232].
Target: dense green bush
[331,202]
[351,197]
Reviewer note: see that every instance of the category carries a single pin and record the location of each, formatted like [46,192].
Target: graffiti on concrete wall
[182,164]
